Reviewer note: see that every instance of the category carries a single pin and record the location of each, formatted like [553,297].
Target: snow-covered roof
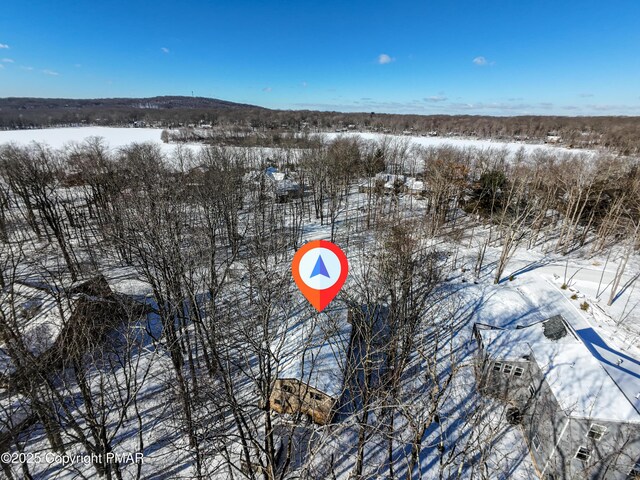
[40,313]
[414,184]
[315,351]
[14,409]
[280,181]
[39,317]
[579,382]
[286,185]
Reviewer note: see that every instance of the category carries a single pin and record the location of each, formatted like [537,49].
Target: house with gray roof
[577,421]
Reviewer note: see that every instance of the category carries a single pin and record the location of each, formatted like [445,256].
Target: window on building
[634,473]
[536,442]
[277,401]
[507,368]
[316,396]
[596,431]
[518,371]
[532,389]
[288,388]
[583,454]
[497,367]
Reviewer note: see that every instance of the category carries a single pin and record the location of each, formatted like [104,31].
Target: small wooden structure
[311,367]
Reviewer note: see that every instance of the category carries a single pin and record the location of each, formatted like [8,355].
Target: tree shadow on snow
[592,340]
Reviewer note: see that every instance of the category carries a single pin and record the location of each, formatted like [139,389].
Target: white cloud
[77,65]
[436,98]
[383,59]
[4,45]
[304,84]
[1,66]
[481,108]
[481,61]
[26,68]
[7,60]
[50,72]
[586,95]
[613,108]
[267,89]
[164,50]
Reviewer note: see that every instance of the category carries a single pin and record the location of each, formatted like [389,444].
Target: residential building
[311,365]
[577,421]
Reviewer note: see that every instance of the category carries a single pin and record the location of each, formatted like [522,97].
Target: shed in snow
[311,367]
[414,186]
[577,421]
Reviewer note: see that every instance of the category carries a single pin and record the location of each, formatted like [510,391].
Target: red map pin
[320,269]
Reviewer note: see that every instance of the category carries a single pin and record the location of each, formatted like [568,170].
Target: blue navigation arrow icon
[319,268]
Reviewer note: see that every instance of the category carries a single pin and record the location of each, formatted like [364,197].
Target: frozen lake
[59,137]
[117,137]
[458,142]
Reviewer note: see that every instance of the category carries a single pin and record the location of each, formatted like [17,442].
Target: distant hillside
[159,103]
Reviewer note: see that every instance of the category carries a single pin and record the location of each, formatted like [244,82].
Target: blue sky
[502,57]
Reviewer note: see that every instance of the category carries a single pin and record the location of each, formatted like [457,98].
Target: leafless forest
[171,279]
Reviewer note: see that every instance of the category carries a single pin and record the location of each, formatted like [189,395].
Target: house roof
[285,185]
[579,382]
[39,318]
[314,351]
[277,176]
[281,182]
[414,184]
[41,313]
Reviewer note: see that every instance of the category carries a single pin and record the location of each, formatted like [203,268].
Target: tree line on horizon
[616,133]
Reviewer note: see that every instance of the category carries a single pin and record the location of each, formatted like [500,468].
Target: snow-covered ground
[609,332]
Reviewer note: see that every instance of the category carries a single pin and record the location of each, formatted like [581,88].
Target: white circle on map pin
[308,262]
